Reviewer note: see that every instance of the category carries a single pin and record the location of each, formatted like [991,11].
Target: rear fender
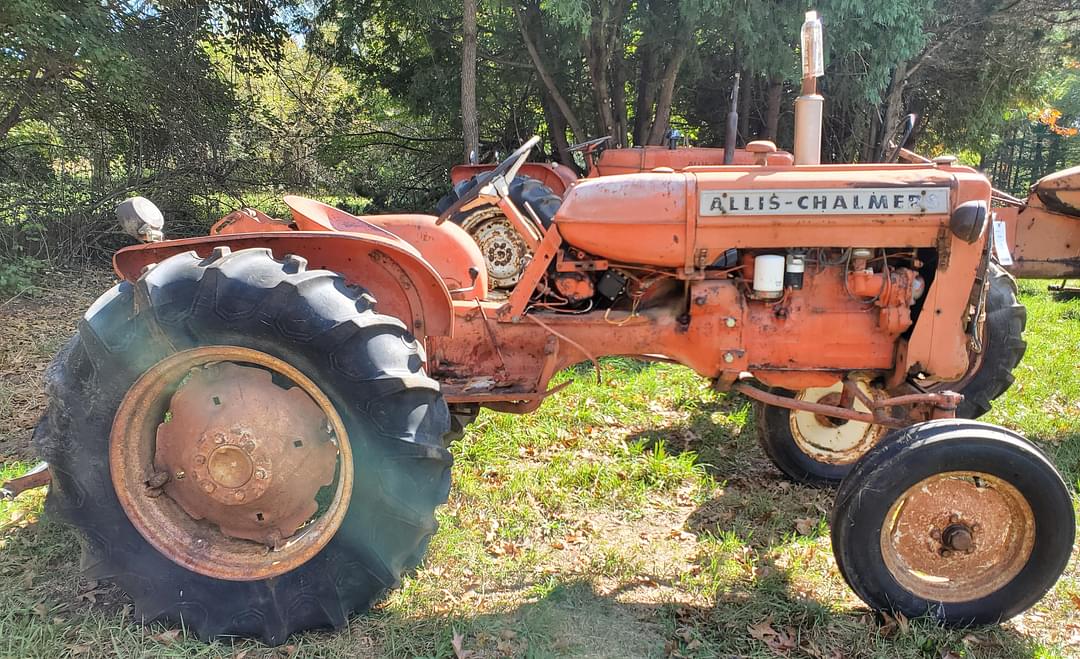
[403,283]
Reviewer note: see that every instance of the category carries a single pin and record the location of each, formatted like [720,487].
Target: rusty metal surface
[39,476]
[504,252]
[832,411]
[252,455]
[1044,244]
[146,487]
[957,536]
[412,291]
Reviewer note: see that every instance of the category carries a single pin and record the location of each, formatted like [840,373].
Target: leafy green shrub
[18,274]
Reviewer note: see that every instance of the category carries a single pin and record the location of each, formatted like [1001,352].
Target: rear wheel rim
[505,253]
[957,536]
[833,441]
[231,462]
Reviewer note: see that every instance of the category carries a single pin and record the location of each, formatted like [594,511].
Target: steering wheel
[590,144]
[507,170]
[905,129]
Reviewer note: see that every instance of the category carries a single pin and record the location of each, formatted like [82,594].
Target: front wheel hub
[231,462]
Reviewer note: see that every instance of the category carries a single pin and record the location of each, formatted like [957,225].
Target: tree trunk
[618,92]
[532,10]
[646,93]
[556,130]
[667,88]
[470,127]
[746,88]
[869,149]
[894,105]
[774,96]
[23,99]
[596,59]
[470,124]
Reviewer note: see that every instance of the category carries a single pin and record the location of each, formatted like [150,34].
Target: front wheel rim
[217,463]
[957,536]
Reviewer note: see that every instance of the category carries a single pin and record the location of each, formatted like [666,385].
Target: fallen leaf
[1075,600]
[762,630]
[459,651]
[40,609]
[805,525]
[167,637]
[92,595]
[28,579]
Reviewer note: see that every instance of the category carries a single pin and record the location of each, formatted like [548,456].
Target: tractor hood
[691,218]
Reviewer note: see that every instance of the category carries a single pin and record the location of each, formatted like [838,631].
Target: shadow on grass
[768,617]
[564,615]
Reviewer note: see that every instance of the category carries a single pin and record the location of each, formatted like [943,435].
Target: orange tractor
[250,430]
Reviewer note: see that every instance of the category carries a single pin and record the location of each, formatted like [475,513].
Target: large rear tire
[1003,348]
[368,366]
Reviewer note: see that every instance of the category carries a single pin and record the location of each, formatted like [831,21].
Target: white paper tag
[1001,243]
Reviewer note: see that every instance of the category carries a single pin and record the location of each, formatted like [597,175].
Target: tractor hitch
[37,477]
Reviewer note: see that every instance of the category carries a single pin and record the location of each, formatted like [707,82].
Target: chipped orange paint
[1044,233]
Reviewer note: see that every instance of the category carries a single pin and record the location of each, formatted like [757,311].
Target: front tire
[370,369]
[963,521]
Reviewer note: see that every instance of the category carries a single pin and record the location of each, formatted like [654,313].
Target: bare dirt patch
[34,328]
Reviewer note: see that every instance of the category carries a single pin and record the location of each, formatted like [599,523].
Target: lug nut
[260,473]
[239,496]
[200,459]
[208,486]
[730,322]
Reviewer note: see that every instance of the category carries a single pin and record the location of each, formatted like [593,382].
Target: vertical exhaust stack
[809,106]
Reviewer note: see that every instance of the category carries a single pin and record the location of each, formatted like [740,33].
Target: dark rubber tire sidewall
[908,456]
[317,323]
[774,435]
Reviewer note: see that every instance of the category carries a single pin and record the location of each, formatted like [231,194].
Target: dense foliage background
[208,105]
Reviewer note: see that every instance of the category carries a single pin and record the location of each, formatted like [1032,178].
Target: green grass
[636,517]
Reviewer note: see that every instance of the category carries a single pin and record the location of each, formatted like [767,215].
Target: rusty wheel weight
[960,520]
[218,466]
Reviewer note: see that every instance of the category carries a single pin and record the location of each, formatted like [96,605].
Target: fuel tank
[1060,191]
[690,218]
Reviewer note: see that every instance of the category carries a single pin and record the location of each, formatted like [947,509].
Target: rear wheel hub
[220,453]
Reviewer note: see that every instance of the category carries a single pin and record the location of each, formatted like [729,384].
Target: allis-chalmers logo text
[869,201]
